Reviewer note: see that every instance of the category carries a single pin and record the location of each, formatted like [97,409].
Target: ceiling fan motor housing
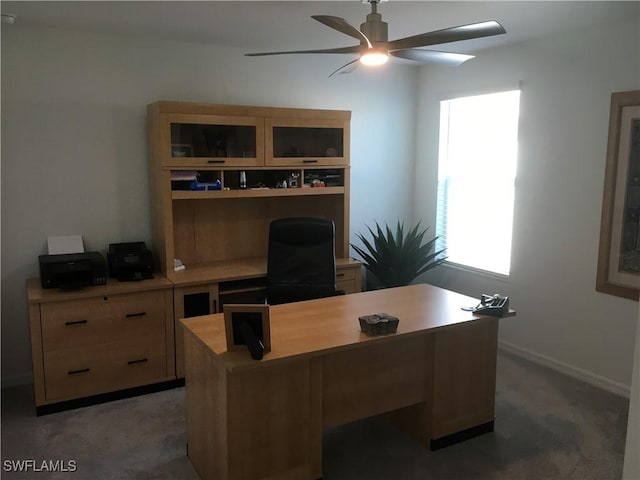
[374,28]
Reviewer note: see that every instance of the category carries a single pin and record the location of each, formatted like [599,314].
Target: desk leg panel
[363,382]
[206,403]
[273,419]
[464,376]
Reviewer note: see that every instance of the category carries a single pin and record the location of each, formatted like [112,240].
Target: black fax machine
[130,261]
[72,270]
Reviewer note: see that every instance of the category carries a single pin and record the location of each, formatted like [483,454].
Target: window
[476,175]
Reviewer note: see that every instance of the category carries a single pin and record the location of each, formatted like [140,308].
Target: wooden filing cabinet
[348,276]
[100,339]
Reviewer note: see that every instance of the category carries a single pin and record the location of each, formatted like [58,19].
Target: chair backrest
[301,263]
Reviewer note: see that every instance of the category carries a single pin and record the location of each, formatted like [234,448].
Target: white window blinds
[476,175]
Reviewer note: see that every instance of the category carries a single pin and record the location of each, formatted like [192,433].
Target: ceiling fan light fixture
[374,47]
[373,57]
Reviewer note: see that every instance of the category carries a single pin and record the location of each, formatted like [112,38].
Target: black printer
[72,270]
[130,261]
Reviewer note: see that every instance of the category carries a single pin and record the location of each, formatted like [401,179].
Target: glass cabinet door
[294,142]
[213,140]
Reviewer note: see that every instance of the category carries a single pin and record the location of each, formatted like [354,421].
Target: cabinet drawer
[137,315]
[348,286]
[348,278]
[82,322]
[346,273]
[99,320]
[78,372]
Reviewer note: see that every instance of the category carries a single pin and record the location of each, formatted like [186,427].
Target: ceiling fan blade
[354,49]
[344,68]
[341,25]
[453,34]
[432,56]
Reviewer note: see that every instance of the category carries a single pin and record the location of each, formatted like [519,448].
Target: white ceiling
[264,25]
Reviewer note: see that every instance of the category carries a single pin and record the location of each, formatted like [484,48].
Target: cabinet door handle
[75,372]
[137,314]
[310,161]
[140,360]
[339,274]
[216,161]
[75,322]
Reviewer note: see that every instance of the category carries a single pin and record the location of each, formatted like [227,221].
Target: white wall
[631,468]
[566,85]
[74,142]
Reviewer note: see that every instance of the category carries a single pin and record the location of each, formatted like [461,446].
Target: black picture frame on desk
[248,326]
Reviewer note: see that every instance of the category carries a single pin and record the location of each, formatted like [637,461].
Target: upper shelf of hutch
[197,135]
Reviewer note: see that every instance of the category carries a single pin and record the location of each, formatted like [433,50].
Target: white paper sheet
[65,244]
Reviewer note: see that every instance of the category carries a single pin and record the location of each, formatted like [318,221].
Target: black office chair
[301,263]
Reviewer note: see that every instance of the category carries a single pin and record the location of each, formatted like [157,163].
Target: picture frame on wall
[619,253]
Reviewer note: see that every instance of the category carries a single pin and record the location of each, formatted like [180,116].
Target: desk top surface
[317,326]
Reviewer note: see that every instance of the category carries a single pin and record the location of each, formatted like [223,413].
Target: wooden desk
[236,281]
[251,419]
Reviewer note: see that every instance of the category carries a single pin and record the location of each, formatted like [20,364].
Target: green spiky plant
[398,258]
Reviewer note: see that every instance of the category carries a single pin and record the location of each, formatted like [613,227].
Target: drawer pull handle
[339,274]
[75,372]
[216,161]
[75,322]
[141,360]
[138,314]
[310,161]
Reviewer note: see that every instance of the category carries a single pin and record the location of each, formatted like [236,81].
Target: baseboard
[575,372]
[108,397]
[438,443]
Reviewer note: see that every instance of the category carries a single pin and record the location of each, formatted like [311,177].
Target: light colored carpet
[548,426]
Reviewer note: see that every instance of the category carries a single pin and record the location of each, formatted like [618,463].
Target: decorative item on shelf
[331,152]
[378,324]
[397,259]
[178,265]
[315,183]
[181,150]
[293,180]
[243,180]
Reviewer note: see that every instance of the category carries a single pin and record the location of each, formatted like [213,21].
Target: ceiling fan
[375,48]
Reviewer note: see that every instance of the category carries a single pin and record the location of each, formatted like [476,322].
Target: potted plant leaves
[396,258]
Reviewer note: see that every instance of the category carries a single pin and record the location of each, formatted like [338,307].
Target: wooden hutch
[220,174]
